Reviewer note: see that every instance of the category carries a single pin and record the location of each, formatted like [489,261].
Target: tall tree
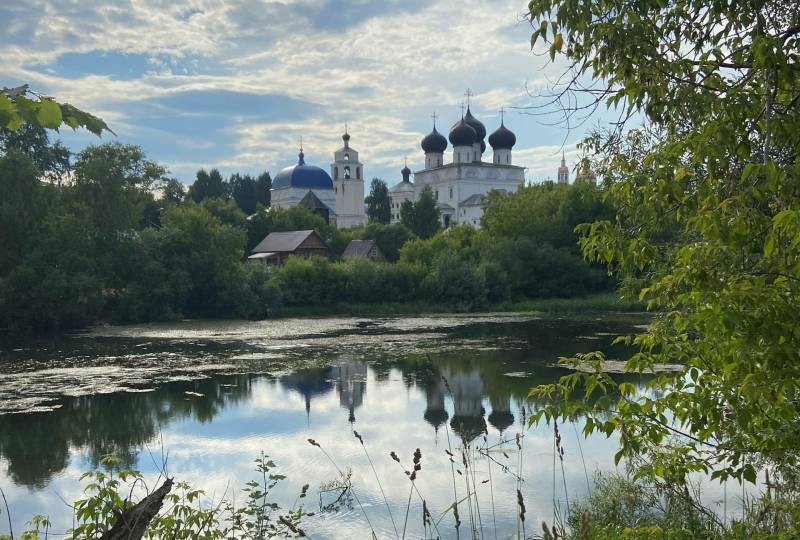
[243,190]
[379,206]
[207,185]
[426,216]
[52,159]
[707,227]
[263,187]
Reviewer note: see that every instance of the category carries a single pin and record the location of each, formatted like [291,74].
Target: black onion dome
[483,147]
[503,138]
[405,171]
[463,134]
[434,142]
[346,136]
[475,124]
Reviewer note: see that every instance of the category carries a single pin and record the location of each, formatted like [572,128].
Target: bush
[261,296]
[454,281]
[308,282]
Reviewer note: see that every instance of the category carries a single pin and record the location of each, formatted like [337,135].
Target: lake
[204,399]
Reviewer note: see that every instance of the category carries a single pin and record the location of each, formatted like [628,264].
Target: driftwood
[132,523]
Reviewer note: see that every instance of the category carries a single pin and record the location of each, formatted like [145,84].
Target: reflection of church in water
[467,391]
[348,378]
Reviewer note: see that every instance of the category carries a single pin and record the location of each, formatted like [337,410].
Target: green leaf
[48,114]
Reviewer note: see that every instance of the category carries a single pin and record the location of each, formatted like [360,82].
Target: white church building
[460,186]
[338,196]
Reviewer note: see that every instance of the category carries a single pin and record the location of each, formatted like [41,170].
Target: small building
[312,202]
[363,248]
[277,246]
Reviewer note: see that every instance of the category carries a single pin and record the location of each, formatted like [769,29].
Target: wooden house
[277,246]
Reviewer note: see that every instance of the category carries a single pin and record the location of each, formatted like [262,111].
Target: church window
[436,195]
[347,171]
[358,173]
[508,158]
[335,173]
[347,157]
[451,192]
[342,189]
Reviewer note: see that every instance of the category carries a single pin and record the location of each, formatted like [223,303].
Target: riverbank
[600,302]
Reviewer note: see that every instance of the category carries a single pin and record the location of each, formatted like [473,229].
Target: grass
[600,302]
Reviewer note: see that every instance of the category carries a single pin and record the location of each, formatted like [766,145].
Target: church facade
[460,184]
[338,196]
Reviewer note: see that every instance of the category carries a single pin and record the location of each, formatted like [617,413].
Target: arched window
[451,192]
[508,158]
[347,157]
[335,173]
[358,173]
[347,171]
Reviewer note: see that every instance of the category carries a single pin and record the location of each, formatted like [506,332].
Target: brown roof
[284,242]
[359,248]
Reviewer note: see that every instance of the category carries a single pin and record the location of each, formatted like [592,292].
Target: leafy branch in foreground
[707,229]
[22,105]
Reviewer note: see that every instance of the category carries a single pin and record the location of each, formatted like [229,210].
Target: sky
[236,84]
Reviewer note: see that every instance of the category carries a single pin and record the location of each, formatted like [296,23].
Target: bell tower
[348,182]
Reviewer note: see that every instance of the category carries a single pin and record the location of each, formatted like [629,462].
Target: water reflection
[467,383]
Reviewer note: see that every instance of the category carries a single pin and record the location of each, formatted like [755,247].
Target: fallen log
[132,523]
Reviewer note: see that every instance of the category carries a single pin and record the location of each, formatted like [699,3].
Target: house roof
[444,207]
[282,242]
[473,200]
[312,202]
[358,248]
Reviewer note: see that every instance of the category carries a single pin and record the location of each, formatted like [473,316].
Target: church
[338,197]
[461,185]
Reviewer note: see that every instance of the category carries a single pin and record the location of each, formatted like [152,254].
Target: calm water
[209,397]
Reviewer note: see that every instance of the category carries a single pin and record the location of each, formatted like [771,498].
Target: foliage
[708,226]
[243,188]
[421,217]
[263,186]
[389,238]
[52,159]
[311,281]
[207,185]
[186,514]
[378,203]
[453,280]
[21,105]
[204,253]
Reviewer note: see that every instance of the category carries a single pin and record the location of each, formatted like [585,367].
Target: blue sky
[234,85]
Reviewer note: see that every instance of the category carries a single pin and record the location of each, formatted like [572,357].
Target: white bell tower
[348,182]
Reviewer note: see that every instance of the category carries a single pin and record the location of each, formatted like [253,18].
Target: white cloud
[384,74]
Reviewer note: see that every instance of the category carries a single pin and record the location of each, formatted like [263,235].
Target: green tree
[22,208]
[706,230]
[263,187]
[407,214]
[207,185]
[173,191]
[389,238]
[52,159]
[203,253]
[115,181]
[379,207]
[243,190]
[427,218]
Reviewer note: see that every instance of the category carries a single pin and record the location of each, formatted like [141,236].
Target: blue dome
[302,176]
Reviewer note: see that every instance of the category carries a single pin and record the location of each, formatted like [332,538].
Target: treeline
[525,249]
[112,237]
